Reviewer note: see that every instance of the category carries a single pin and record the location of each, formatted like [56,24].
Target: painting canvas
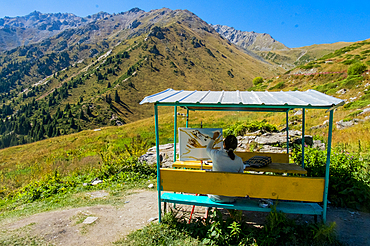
[193,142]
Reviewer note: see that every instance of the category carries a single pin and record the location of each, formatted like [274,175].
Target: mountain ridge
[249,40]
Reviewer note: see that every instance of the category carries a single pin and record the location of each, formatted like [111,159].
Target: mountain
[36,27]
[267,48]
[95,75]
[249,40]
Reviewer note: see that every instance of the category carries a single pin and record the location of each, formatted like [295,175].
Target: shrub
[356,69]
[279,85]
[257,81]
[240,128]
[216,230]
[349,184]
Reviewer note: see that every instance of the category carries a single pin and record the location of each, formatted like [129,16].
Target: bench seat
[243,204]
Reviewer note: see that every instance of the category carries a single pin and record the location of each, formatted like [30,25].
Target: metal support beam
[327,166]
[158,162]
[303,133]
[187,117]
[175,134]
[287,132]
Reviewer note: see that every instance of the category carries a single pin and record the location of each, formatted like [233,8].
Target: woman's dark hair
[230,144]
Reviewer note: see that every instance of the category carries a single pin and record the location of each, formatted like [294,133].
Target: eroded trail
[66,227]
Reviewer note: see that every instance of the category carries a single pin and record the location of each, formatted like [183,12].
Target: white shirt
[222,162]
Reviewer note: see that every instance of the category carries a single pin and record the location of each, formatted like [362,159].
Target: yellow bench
[282,188]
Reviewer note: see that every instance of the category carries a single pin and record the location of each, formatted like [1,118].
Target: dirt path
[65,227]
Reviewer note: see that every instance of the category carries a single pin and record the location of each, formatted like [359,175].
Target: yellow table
[273,167]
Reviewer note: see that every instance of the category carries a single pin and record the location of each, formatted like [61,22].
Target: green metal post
[327,166]
[174,134]
[303,133]
[287,132]
[158,162]
[187,118]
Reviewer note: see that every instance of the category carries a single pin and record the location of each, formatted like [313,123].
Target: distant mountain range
[36,27]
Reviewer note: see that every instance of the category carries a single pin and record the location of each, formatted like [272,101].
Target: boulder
[271,138]
[308,140]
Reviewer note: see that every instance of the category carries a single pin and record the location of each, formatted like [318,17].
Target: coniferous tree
[82,116]
[88,111]
[68,107]
[117,99]
[73,124]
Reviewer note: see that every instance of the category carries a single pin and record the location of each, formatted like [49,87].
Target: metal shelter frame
[330,105]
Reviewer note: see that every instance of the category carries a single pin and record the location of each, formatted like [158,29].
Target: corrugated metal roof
[288,99]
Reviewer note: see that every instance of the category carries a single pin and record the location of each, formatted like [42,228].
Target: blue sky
[295,23]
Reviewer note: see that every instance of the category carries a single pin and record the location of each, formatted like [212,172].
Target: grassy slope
[331,84]
[289,58]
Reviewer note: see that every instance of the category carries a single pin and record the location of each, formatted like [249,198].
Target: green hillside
[59,94]
[289,58]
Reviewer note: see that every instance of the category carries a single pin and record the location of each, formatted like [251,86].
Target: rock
[318,145]
[151,186]
[342,91]
[271,149]
[271,138]
[95,130]
[119,123]
[299,112]
[364,111]
[307,140]
[152,219]
[326,122]
[90,220]
[344,124]
[166,155]
[317,127]
[96,181]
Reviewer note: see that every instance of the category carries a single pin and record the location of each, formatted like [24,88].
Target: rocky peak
[249,40]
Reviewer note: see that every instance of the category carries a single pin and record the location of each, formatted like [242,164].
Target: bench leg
[315,218]
[165,207]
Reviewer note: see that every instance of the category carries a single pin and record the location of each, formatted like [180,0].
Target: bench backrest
[241,185]
[275,157]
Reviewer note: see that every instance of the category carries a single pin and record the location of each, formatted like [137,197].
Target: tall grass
[218,230]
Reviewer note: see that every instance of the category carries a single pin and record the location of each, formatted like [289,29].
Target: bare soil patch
[66,227]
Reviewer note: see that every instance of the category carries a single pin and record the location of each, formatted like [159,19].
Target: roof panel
[212,97]
[290,99]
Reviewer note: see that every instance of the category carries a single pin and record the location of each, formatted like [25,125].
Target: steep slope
[249,40]
[156,50]
[264,46]
[343,73]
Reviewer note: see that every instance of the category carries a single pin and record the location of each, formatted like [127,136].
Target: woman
[225,161]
